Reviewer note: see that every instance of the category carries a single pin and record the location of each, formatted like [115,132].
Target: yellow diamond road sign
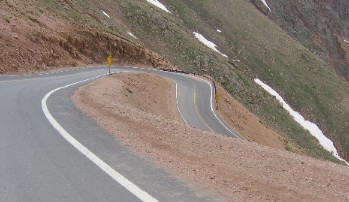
[110,60]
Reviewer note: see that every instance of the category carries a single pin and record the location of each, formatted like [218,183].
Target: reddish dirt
[33,40]
[248,125]
[139,111]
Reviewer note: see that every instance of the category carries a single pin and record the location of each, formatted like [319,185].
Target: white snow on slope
[265,3]
[129,33]
[311,127]
[106,14]
[208,43]
[346,41]
[159,5]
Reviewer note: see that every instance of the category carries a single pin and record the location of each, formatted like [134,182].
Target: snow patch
[106,14]
[159,5]
[265,3]
[219,31]
[129,33]
[346,41]
[208,43]
[311,127]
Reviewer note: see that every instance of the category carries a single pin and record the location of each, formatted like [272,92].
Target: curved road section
[69,158]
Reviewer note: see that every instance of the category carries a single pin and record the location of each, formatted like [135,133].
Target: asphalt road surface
[39,163]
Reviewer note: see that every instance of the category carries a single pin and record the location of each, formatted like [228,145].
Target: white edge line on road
[211,101]
[134,189]
[180,113]
[214,113]
[210,84]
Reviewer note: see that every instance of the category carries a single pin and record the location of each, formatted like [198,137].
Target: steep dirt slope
[256,47]
[41,40]
[33,39]
[72,32]
[230,169]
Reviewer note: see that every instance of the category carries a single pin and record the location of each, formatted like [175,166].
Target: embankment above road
[140,110]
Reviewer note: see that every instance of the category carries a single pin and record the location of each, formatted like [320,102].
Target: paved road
[195,100]
[38,164]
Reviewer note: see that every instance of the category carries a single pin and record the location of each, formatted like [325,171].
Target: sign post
[110,62]
[217,98]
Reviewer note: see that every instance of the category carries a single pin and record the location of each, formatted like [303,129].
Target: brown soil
[139,110]
[249,125]
[33,39]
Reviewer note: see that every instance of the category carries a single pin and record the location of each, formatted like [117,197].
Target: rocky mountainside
[321,25]
[244,44]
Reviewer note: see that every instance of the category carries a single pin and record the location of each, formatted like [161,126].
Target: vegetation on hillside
[256,47]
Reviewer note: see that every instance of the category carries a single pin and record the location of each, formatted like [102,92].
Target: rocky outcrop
[321,25]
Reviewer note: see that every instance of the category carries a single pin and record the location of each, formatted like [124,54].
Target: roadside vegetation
[255,46]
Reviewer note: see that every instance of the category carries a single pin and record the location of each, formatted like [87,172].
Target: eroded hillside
[41,34]
[34,39]
[134,109]
[320,25]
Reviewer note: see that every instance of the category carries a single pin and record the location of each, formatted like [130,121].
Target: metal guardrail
[214,90]
[214,93]
[175,70]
